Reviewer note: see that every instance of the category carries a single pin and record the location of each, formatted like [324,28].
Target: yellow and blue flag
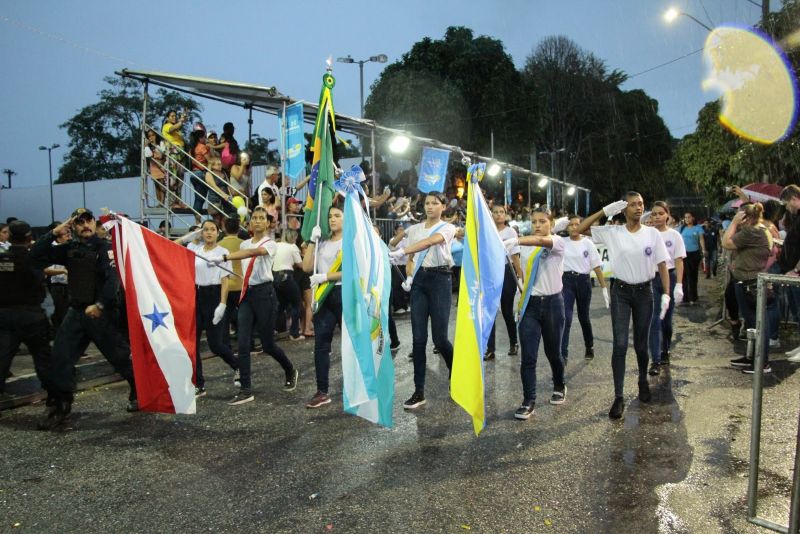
[367,367]
[482,273]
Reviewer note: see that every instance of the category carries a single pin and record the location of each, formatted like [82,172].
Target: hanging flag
[294,143]
[158,278]
[433,169]
[482,273]
[320,187]
[507,185]
[367,367]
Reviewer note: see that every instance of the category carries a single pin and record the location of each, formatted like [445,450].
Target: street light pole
[9,173]
[50,165]
[672,13]
[380,58]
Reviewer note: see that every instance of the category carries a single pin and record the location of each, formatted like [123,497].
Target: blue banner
[508,187]
[294,146]
[433,169]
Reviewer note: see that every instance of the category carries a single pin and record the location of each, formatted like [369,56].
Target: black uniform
[22,319]
[92,280]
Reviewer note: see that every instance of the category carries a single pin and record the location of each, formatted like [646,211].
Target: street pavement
[678,464]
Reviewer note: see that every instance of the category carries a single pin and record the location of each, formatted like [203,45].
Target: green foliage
[105,137]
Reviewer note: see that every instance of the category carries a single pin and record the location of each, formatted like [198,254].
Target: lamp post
[9,173]
[672,13]
[50,164]
[380,58]
[552,154]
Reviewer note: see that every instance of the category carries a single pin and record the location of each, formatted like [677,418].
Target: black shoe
[56,416]
[513,350]
[488,356]
[742,362]
[242,397]
[589,353]
[394,347]
[199,392]
[617,408]
[416,400]
[291,380]
[644,392]
[665,358]
[436,350]
[133,406]
[653,369]
[751,369]
[559,396]
[525,411]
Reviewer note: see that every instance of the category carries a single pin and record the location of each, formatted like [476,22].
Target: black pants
[399,296]
[507,308]
[690,273]
[76,331]
[207,300]
[26,325]
[289,300]
[328,316]
[60,296]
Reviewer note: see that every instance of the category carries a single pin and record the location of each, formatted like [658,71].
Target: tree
[105,137]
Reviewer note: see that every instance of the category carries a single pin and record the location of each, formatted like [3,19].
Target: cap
[83,213]
[19,229]
[292,200]
[212,132]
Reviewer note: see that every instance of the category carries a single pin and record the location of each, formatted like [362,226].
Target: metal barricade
[764,280]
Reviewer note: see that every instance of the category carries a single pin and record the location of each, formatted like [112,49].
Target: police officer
[22,319]
[93,285]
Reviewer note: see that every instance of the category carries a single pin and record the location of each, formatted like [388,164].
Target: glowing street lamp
[380,58]
[671,14]
[542,183]
[493,169]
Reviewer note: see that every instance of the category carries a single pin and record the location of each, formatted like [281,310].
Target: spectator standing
[155,156]
[200,152]
[695,253]
[287,258]
[711,238]
[172,133]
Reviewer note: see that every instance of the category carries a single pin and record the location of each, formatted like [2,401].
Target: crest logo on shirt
[545,253]
[585,253]
[648,251]
[668,243]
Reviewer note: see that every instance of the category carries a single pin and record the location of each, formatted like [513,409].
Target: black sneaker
[742,362]
[525,411]
[199,392]
[653,369]
[242,397]
[665,358]
[56,416]
[319,400]
[751,369]
[236,381]
[644,392]
[291,380]
[488,356]
[436,350]
[589,353]
[416,400]
[410,355]
[513,350]
[617,408]
[133,406]
[394,347]
[558,397]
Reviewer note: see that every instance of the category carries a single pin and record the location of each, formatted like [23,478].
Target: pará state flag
[158,277]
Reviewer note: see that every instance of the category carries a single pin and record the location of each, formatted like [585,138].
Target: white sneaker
[794,359]
[774,343]
[794,351]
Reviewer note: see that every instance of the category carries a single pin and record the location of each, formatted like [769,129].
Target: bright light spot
[542,182]
[493,170]
[671,14]
[759,91]
[571,190]
[399,144]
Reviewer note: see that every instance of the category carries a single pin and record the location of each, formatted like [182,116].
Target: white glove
[407,284]
[511,243]
[316,233]
[319,278]
[219,312]
[677,293]
[397,254]
[615,207]
[607,297]
[664,305]
[188,238]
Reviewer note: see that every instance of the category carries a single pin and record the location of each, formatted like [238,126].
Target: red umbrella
[759,192]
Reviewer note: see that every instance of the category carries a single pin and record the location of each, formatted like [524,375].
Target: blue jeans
[431,295]
[327,317]
[748,311]
[257,312]
[543,320]
[577,288]
[200,187]
[507,309]
[661,330]
[630,301]
[207,301]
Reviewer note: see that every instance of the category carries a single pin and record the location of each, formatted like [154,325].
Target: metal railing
[764,280]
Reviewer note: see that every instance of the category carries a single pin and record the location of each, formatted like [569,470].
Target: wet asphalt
[676,464]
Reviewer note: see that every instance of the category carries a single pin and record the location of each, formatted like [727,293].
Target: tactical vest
[22,286]
[82,280]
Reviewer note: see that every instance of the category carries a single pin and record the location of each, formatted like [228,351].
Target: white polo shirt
[286,256]
[509,233]
[326,255]
[675,246]
[580,256]
[634,256]
[203,274]
[438,255]
[548,277]
[262,269]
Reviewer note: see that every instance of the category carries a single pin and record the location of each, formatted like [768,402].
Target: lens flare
[759,91]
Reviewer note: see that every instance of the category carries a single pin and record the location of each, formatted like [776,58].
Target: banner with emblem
[295,165]
[433,169]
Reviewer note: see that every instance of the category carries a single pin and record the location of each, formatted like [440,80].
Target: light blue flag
[433,169]
[367,367]
[507,185]
[294,145]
